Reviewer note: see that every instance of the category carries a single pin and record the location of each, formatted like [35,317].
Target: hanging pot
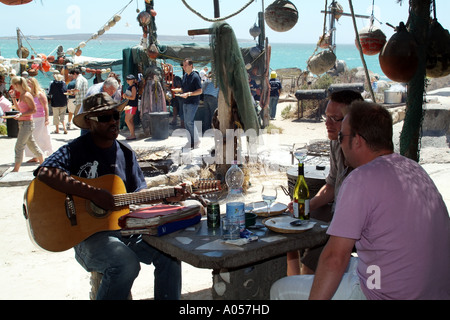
[398,58]
[438,51]
[321,62]
[372,40]
[281,15]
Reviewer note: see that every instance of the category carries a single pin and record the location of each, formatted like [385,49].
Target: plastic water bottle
[235,202]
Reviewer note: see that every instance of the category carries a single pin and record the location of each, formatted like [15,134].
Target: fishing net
[231,75]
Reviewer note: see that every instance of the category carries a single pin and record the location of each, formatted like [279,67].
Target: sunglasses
[333,119]
[106,117]
[341,136]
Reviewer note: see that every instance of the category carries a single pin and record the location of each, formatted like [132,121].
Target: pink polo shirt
[393,210]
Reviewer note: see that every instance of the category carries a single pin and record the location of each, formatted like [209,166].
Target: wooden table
[239,272]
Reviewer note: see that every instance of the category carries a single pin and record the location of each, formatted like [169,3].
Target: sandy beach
[29,273]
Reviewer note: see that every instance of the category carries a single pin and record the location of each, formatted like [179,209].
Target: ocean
[283,55]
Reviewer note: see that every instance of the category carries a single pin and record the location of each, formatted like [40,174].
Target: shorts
[133,110]
[58,115]
[72,107]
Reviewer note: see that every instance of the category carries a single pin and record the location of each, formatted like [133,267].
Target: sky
[48,17]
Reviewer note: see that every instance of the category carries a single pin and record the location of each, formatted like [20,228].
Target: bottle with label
[235,202]
[301,196]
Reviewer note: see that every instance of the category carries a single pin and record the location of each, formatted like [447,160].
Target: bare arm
[332,264]
[61,181]
[324,196]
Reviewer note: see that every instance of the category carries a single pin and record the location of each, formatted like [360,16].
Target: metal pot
[392,97]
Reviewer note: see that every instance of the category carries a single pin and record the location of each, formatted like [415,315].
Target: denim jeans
[118,259]
[210,103]
[25,138]
[189,111]
[273,101]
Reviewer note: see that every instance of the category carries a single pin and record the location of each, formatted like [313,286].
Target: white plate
[283,224]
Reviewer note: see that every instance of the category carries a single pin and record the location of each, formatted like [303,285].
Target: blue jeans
[118,259]
[210,103]
[273,101]
[189,111]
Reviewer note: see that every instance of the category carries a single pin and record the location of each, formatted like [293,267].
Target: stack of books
[159,219]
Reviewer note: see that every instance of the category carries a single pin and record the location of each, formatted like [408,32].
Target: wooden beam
[345,14]
[198,32]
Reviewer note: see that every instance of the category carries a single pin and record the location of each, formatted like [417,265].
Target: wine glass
[269,195]
[300,151]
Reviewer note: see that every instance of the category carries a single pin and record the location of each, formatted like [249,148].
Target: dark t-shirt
[275,86]
[82,158]
[191,83]
[57,90]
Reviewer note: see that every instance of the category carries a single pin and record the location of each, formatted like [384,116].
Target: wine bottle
[301,196]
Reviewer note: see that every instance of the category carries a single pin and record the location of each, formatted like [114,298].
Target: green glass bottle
[301,196]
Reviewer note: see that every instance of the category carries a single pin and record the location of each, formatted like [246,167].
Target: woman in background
[132,95]
[27,108]
[40,119]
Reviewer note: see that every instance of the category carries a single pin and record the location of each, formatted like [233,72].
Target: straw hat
[97,103]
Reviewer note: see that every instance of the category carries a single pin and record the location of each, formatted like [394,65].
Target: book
[166,228]
[156,215]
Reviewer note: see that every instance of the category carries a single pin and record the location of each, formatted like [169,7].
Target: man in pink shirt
[390,209]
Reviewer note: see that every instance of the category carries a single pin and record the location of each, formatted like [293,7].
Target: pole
[366,71]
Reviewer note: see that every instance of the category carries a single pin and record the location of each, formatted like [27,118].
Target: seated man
[392,211]
[336,109]
[92,155]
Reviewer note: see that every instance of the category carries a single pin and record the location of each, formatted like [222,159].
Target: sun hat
[97,103]
[273,75]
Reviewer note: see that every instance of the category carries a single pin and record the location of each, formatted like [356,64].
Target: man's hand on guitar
[181,193]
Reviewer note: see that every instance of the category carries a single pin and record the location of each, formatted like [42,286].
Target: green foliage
[3,130]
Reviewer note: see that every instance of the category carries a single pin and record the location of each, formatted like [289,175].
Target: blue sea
[283,55]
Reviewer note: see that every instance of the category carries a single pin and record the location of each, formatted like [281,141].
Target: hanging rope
[216,19]
[360,51]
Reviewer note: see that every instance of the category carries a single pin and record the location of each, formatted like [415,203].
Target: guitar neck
[125,199]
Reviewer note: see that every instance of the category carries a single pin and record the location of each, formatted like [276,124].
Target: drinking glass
[269,195]
[300,151]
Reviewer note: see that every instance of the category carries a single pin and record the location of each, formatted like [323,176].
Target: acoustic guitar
[57,222]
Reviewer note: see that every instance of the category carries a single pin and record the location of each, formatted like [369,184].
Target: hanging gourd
[321,62]
[324,41]
[152,51]
[255,31]
[372,40]
[255,52]
[398,58]
[14,2]
[438,51]
[23,52]
[281,15]
[144,18]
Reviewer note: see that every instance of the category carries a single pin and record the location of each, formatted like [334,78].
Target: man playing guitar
[94,155]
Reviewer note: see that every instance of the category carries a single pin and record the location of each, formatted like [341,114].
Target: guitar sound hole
[96,211]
